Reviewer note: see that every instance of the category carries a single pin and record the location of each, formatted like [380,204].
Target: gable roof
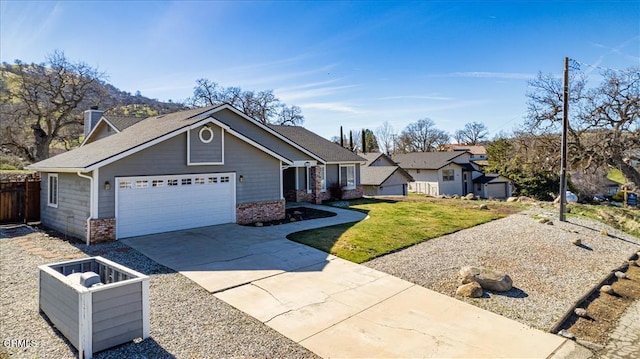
[152,129]
[491,177]
[377,175]
[148,132]
[118,123]
[370,157]
[328,151]
[427,160]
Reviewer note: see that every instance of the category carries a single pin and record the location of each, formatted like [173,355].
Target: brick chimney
[91,118]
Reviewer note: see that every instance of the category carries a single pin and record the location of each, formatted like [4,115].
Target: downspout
[91,199]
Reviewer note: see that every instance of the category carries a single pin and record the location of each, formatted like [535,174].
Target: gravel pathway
[549,273]
[186,321]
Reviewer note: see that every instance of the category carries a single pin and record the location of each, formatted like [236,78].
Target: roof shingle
[319,146]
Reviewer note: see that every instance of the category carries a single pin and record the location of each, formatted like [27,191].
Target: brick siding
[247,213]
[102,230]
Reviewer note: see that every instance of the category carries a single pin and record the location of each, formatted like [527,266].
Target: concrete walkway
[334,307]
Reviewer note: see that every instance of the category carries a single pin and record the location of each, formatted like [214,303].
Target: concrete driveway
[334,307]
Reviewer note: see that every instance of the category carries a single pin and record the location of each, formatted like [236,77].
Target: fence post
[26,199]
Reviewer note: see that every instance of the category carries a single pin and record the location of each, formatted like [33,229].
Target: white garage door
[497,190]
[155,204]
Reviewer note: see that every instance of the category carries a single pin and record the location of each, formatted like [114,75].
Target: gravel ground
[186,321]
[549,273]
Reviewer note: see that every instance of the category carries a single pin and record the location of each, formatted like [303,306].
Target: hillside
[43,98]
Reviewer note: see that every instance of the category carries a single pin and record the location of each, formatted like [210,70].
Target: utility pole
[563,158]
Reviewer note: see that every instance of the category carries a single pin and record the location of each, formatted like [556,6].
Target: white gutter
[91,201]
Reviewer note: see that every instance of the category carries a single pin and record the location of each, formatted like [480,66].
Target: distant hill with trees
[42,105]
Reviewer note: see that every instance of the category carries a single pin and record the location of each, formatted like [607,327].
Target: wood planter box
[97,317]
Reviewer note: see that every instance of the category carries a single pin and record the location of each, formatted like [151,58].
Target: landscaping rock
[470,290]
[470,196]
[576,241]
[487,278]
[581,312]
[607,289]
[546,221]
[484,207]
[512,199]
[620,275]
[565,333]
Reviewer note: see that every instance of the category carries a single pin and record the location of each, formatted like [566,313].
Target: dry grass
[605,310]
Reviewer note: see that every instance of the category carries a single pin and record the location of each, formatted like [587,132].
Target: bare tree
[472,134]
[604,126]
[422,136]
[263,106]
[385,135]
[42,105]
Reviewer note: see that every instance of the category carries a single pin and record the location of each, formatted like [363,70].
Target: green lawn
[393,225]
[616,175]
[624,219]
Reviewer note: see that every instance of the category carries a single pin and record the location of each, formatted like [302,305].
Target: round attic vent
[205,134]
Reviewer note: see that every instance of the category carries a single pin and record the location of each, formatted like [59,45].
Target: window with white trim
[172,182]
[52,188]
[348,176]
[157,183]
[142,184]
[125,184]
[224,179]
[213,179]
[186,181]
[323,178]
[447,175]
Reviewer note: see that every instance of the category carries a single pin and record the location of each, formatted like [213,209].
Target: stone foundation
[247,213]
[353,193]
[102,230]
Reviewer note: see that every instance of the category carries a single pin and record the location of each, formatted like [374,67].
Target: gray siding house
[383,177]
[451,173]
[187,169]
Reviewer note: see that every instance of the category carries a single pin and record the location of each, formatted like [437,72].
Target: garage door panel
[148,205]
[496,190]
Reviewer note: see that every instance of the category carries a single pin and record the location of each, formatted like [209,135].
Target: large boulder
[470,196]
[487,278]
[471,290]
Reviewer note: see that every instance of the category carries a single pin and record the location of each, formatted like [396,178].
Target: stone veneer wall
[102,230]
[353,193]
[247,213]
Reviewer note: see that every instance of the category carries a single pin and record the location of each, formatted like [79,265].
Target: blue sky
[354,64]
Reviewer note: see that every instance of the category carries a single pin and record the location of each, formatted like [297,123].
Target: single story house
[381,176]
[451,173]
[187,169]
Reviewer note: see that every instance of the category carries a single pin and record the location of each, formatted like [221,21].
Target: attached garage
[155,204]
[497,190]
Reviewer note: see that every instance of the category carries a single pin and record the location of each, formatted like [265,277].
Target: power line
[575,65]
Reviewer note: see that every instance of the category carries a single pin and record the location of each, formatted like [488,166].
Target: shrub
[336,191]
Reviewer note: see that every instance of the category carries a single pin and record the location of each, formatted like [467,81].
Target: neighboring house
[478,152]
[383,177]
[450,173]
[492,186]
[187,169]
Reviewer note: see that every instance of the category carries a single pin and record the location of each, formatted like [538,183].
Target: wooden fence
[20,201]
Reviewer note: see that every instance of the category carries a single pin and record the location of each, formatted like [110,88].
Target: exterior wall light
[107,185]
[241,178]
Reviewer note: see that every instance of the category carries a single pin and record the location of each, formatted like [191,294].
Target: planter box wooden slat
[98,317]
